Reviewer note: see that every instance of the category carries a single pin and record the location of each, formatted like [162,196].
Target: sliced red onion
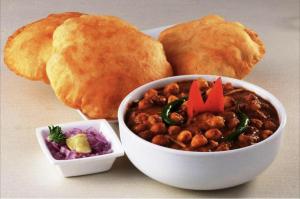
[99,145]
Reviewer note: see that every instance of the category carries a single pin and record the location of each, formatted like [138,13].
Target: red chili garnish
[214,102]
[195,101]
[215,99]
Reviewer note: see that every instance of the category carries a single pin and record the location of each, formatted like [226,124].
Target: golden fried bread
[29,48]
[98,60]
[213,46]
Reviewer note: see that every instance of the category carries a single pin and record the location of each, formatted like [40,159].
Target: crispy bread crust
[98,60]
[28,49]
[212,45]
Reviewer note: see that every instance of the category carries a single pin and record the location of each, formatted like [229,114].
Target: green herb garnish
[171,107]
[244,121]
[56,134]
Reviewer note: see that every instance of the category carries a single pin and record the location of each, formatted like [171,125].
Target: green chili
[244,121]
[171,107]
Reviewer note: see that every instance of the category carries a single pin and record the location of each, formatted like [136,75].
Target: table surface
[26,105]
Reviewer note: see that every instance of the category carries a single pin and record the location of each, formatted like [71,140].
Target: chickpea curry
[202,116]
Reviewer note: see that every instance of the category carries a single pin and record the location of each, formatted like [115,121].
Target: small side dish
[202,116]
[80,148]
[76,143]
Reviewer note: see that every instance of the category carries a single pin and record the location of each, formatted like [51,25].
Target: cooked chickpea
[158,128]
[198,140]
[132,116]
[260,114]
[175,146]
[152,119]
[143,104]
[203,149]
[254,105]
[246,140]
[223,147]
[203,84]
[174,130]
[150,93]
[160,140]
[162,100]
[216,122]
[188,148]
[265,105]
[269,125]
[184,136]
[256,122]
[208,121]
[243,105]
[266,133]
[228,86]
[193,129]
[141,118]
[147,135]
[213,144]
[172,98]
[228,115]
[139,127]
[171,89]
[228,102]
[182,94]
[233,122]
[176,117]
[250,97]
[159,99]
[213,134]
[207,91]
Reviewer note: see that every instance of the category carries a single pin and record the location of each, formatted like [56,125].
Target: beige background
[26,104]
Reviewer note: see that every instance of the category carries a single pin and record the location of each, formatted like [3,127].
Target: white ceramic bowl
[200,170]
[87,165]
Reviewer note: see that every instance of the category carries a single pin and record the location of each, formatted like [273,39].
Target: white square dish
[82,115]
[86,165]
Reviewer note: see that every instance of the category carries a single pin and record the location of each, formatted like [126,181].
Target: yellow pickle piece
[79,143]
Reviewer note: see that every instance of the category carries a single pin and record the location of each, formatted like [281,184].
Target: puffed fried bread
[98,60]
[29,48]
[212,46]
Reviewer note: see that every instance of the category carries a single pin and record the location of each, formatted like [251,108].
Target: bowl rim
[273,100]
[117,150]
